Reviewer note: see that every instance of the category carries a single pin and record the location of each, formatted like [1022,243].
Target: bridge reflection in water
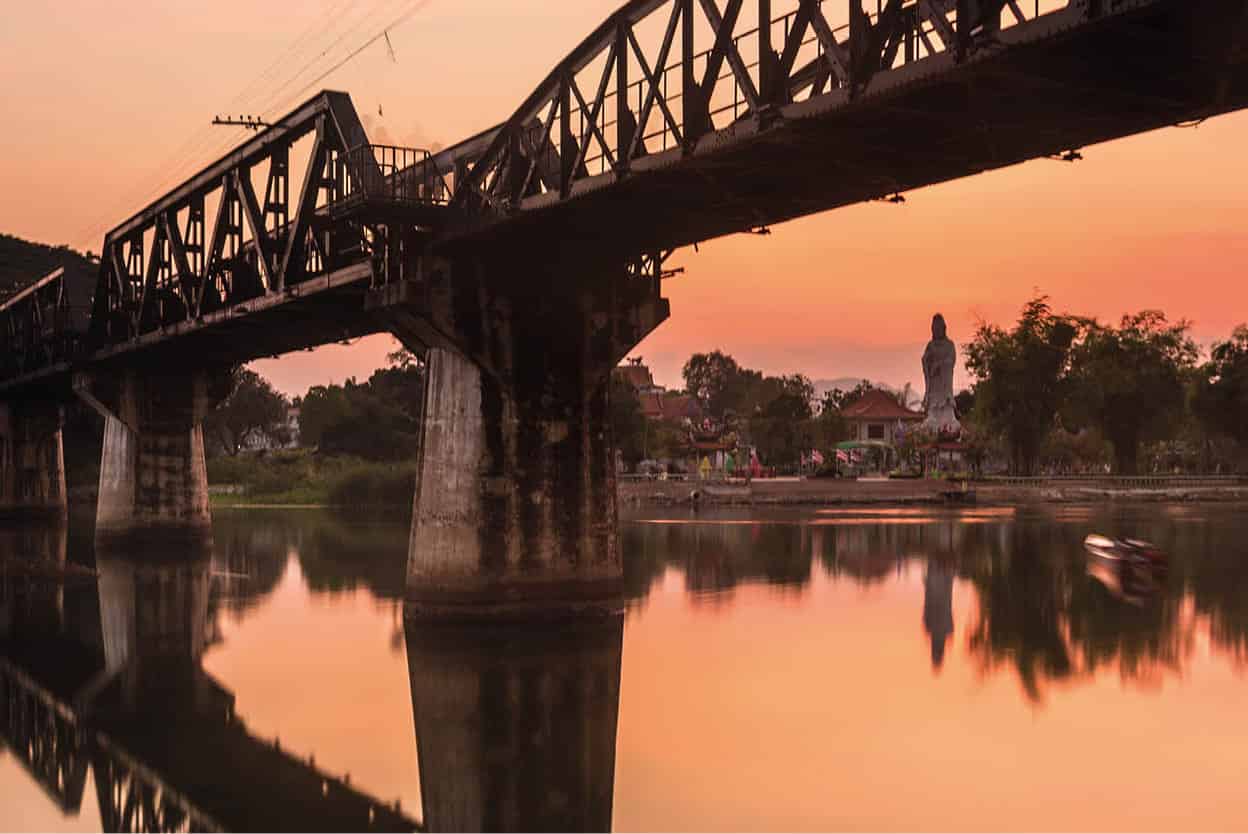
[128,698]
[102,686]
[515,727]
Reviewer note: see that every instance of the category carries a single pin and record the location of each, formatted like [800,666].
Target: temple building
[876,415]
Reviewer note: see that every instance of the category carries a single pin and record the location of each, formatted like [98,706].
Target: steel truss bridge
[675,121]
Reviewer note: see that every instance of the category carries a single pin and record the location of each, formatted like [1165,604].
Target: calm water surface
[823,669]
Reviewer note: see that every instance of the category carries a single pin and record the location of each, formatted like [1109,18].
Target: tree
[720,384]
[377,420]
[1021,377]
[837,398]
[628,424]
[964,403]
[786,397]
[323,406]
[251,408]
[1220,398]
[1128,381]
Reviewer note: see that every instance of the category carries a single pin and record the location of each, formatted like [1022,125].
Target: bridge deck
[1051,84]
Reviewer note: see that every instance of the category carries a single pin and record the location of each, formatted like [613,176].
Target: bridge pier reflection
[32,460]
[155,622]
[31,597]
[516,726]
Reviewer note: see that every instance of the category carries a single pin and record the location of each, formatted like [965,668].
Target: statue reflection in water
[516,725]
[938,608]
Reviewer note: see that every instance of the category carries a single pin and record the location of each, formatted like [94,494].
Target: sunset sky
[106,107]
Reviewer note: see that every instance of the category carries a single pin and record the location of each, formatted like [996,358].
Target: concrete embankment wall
[901,492]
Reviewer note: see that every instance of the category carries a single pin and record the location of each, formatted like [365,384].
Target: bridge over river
[527,261]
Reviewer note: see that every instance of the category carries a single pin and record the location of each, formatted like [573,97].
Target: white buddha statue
[939,359]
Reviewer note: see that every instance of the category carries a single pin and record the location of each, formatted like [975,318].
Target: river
[877,669]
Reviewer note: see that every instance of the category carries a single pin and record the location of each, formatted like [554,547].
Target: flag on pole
[817,457]
[842,456]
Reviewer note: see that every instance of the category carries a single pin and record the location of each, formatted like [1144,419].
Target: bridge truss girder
[680,120]
[650,95]
[167,265]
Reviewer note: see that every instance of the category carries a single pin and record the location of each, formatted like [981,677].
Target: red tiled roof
[681,405]
[652,405]
[667,406]
[878,405]
[637,376]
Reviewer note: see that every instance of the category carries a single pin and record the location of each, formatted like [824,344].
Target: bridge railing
[1120,481]
[391,174]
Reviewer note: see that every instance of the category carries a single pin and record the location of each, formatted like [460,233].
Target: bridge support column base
[32,461]
[153,477]
[514,514]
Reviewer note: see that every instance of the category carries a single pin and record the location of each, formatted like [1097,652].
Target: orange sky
[100,104]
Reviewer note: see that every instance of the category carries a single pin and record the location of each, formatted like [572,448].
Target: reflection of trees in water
[339,554]
[1021,594]
[1040,612]
[1214,569]
[714,557]
[249,559]
[335,554]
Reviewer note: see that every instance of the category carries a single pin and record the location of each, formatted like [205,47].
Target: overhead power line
[205,143]
[420,4]
[277,100]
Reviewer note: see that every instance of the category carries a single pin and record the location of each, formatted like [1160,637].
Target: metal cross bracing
[680,120]
[43,735]
[57,743]
[43,325]
[652,95]
[236,238]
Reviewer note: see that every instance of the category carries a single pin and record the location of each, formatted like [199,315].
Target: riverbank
[299,477]
[820,492]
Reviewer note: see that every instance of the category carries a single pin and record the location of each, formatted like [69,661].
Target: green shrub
[374,485]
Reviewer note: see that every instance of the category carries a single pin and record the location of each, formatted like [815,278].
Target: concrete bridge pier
[32,460]
[153,477]
[516,724]
[515,506]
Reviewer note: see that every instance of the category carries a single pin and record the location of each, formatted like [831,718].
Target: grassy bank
[299,476]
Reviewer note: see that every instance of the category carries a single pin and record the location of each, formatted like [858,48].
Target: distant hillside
[23,262]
